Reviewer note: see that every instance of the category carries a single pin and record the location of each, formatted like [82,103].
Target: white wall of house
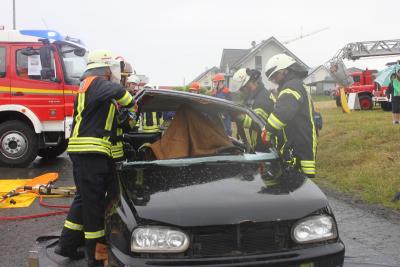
[266,53]
[320,74]
[206,80]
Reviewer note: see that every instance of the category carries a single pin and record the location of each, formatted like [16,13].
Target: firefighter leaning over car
[293,114]
[93,134]
[256,97]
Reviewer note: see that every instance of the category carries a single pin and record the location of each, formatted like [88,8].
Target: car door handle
[17,94]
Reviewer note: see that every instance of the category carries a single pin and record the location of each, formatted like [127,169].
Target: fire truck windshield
[75,60]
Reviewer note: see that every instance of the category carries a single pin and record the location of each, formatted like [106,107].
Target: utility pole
[14,24]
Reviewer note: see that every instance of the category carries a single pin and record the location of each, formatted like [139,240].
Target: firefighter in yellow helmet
[93,132]
[293,113]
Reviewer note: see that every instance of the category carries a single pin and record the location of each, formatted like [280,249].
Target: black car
[236,207]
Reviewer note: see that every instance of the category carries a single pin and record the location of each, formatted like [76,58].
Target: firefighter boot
[68,244]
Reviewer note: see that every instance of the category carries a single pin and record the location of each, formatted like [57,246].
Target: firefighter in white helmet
[133,83]
[256,97]
[293,113]
[93,131]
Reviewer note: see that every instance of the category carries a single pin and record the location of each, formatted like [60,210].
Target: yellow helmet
[100,58]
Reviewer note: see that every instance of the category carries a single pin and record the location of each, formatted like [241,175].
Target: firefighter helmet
[100,58]
[240,79]
[278,62]
[195,86]
[219,77]
[133,79]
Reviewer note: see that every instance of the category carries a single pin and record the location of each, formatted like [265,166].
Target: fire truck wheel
[365,102]
[18,144]
[53,151]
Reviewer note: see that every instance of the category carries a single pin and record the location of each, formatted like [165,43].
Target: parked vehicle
[240,208]
[39,74]
[369,92]
[363,83]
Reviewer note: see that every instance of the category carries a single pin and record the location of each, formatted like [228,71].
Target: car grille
[243,239]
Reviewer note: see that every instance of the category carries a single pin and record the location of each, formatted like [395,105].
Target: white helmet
[101,58]
[239,79]
[278,62]
[133,79]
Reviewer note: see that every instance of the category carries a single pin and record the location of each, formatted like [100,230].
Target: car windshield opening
[190,132]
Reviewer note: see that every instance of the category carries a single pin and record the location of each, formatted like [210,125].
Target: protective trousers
[85,221]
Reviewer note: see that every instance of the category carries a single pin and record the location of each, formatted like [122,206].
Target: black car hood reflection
[220,193]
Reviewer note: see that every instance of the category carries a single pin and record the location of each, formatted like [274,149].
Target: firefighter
[117,149]
[219,90]
[293,113]
[132,84]
[126,70]
[256,97]
[151,121]
[195,88]
[93,131]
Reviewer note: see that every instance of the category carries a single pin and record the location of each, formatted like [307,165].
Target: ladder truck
[363,83]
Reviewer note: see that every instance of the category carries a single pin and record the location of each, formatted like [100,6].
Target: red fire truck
[369,92]
[39,75]
[363,83]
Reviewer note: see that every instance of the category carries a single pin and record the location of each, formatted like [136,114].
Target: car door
[44,97]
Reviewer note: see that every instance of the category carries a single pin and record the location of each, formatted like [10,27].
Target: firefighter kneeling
[94,132]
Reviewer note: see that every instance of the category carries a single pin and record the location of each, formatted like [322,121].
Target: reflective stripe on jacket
[151,122]
[94,128]
[262,103]
[294,115]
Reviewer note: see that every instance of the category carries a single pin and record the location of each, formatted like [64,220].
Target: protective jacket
[262,103]
[94,128]
[294,115]
[151,122]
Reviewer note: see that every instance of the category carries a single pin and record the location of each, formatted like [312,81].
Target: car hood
[221,193]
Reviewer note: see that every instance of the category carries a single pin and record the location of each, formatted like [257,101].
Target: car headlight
[314,229]
[158,239]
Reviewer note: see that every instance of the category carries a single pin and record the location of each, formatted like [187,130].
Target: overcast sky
[173,41]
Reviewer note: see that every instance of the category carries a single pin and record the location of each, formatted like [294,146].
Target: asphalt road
[371,240]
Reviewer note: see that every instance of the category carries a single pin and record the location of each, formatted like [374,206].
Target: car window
[29,67]
[3,62]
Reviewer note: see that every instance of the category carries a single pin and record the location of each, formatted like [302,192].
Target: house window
[3,62]
[258,63]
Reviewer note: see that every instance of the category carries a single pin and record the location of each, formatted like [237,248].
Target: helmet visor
[235,86]
[115,72]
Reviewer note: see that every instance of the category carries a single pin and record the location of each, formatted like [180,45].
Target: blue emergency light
[51,36]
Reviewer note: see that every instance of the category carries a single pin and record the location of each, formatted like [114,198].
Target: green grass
[318,98]
[359,154]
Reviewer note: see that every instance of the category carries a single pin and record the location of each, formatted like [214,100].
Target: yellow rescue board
[23,200]
[343,101]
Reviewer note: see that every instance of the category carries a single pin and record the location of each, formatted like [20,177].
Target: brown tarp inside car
[191,134]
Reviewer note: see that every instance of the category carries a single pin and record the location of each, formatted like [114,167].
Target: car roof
[170,100]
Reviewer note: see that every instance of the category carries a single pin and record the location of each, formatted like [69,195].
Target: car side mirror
[47,72]
[80,52]
[29,51]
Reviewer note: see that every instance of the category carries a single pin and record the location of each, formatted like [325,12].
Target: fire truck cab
[39,75]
